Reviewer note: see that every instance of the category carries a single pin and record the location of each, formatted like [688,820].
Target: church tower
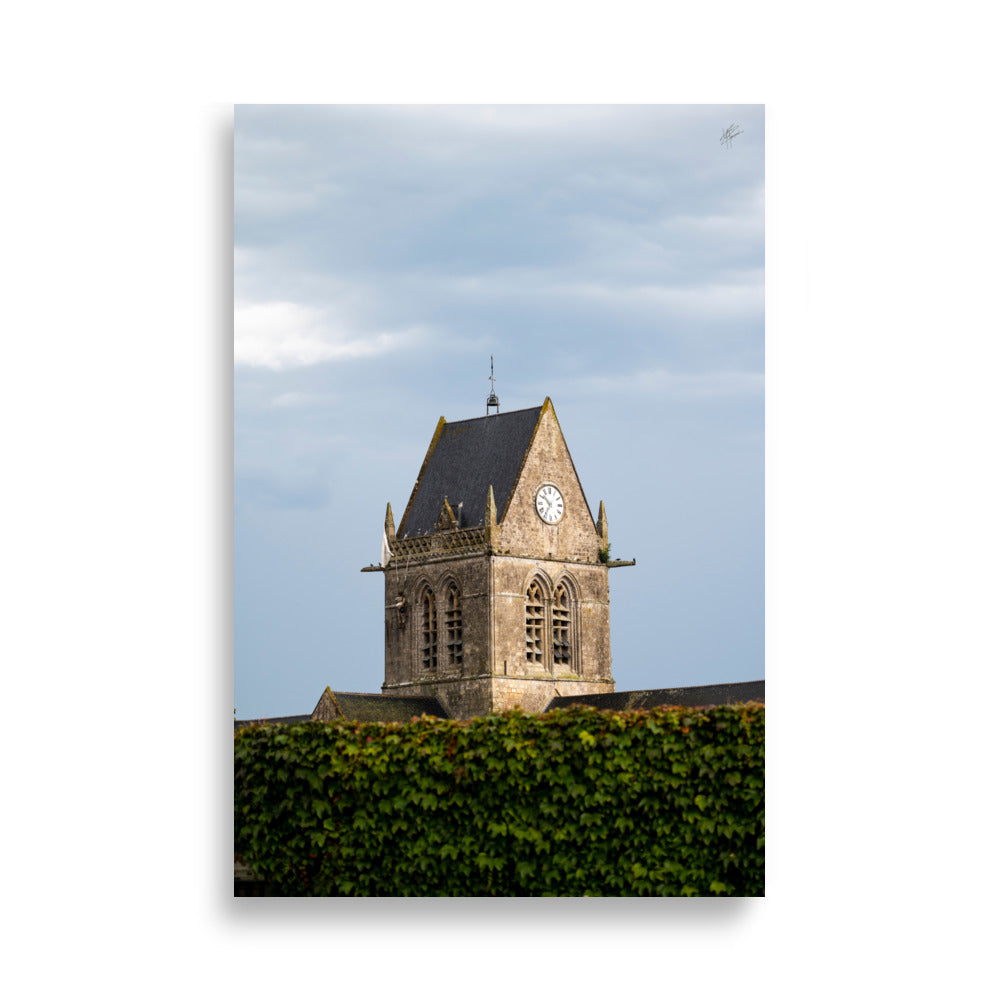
[496,580]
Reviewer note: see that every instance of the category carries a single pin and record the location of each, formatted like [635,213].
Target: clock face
[549,503]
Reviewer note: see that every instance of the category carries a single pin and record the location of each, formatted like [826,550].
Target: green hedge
[575,802]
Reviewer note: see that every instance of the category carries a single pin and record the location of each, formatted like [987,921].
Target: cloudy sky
[610,257]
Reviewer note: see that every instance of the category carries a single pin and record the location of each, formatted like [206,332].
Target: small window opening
[453,626]
[534,624]
[561,649]
[429,636]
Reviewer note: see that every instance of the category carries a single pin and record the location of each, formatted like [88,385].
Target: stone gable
[522,531]
[486,608]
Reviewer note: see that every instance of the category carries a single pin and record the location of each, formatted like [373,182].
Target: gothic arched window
[428,632]
[561,644]
[534,624]
[453,625]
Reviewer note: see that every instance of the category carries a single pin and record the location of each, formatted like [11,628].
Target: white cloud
[262,199]
[518,133]
[662,383]
[298,401]
[282,335]
[707,300]
[738,299]
[735,228]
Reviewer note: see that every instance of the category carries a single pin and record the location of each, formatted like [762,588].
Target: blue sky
[610,257]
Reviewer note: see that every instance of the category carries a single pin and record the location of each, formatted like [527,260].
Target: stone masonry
[466,592]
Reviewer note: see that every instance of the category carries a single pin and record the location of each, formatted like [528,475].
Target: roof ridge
[382,694]
[508,413]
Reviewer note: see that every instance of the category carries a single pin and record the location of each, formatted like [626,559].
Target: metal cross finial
[492,400]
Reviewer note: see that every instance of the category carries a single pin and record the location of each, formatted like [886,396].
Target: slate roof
[686,697]
[464,459]
[286,720]
[386,707]
[359,708]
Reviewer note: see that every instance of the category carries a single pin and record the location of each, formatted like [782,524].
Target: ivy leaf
[509,804]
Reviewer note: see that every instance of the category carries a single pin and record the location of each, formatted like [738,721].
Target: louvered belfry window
[561,649]
[534,624]
[453,625]
[428,633]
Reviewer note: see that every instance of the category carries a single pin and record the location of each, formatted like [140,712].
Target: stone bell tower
[496,580]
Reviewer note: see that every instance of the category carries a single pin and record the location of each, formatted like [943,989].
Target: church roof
[358,708]
[402,708]
[277,720]
[384,707]
[464,459]
[686,697]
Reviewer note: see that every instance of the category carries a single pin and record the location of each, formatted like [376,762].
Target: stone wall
[590,615]
[495,672]
[403,627]
[493,567]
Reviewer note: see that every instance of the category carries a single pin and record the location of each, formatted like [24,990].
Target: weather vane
[492,400]
[726,139]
